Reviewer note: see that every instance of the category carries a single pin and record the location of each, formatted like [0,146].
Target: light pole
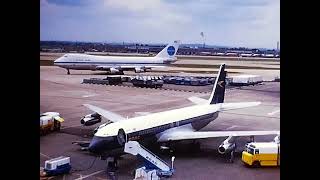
[202,35]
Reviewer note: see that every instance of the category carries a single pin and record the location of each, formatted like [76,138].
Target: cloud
[248,23]
[69,2]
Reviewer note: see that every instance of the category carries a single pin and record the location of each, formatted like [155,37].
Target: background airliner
[117,64]
[173,125]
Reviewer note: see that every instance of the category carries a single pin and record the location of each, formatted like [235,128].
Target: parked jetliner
[117,64]
[172,125]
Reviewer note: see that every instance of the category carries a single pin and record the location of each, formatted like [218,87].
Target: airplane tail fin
[217,95]
[169,51]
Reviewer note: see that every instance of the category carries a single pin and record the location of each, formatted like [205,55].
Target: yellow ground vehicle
[261,154]
[50,121]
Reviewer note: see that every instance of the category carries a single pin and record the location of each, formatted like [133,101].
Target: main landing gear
[112,166]
[231,156]
[68,71]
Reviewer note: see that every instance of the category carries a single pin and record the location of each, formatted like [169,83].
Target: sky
[236,23]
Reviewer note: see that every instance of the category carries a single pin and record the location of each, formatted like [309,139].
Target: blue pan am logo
[171,50]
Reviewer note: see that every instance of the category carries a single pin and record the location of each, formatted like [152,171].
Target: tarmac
[65,94]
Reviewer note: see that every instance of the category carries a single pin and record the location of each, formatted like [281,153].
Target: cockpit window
[250,150]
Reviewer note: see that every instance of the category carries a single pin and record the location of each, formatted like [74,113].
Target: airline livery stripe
[158,129]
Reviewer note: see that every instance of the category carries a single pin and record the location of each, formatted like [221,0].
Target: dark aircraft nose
[100,144]
[95,145]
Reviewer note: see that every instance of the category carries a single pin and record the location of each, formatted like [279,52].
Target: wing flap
[106,114]
[137,66]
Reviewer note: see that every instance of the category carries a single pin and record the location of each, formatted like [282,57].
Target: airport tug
[262,153]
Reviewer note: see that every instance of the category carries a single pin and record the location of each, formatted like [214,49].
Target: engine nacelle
[138,70]
[91,119]
[114,70]
[102,68]
[223,148]
[227,146]
[277,139]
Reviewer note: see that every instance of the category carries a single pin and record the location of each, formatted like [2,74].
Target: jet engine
[138,70]
[277,139]
[227,145]
[91,119]
[102,68]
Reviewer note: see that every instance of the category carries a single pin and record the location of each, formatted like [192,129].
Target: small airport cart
[56,166]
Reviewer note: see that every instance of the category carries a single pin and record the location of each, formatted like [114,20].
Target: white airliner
[172,125]
[117,64]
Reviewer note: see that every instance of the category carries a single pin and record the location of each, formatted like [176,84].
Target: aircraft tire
[256,164]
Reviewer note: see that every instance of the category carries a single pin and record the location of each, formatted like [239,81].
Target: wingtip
[86,105]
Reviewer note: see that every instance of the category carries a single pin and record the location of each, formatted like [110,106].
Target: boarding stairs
[152,160]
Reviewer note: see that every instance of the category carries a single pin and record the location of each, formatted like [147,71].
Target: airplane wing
[105,67]
[184,135]
[197,100]
[225,106]
[106,114]
[141,67]
[230,106]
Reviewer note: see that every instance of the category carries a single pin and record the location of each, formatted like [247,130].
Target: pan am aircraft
[117,64]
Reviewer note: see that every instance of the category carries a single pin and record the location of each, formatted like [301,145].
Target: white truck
[50,121]
[244,80]
[56,166]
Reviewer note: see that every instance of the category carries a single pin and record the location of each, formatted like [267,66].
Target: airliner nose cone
[56,61]
[95,145]
[100,144]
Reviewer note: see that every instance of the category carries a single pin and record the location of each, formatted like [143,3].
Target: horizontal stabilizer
[230,106]
[142,113]
[106,114]
[197,100]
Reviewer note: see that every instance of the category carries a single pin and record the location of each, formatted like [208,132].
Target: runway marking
[101,178]
[89,175]
[89,95]
[274,112]
[45,155]
[234,126]
[70,127]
